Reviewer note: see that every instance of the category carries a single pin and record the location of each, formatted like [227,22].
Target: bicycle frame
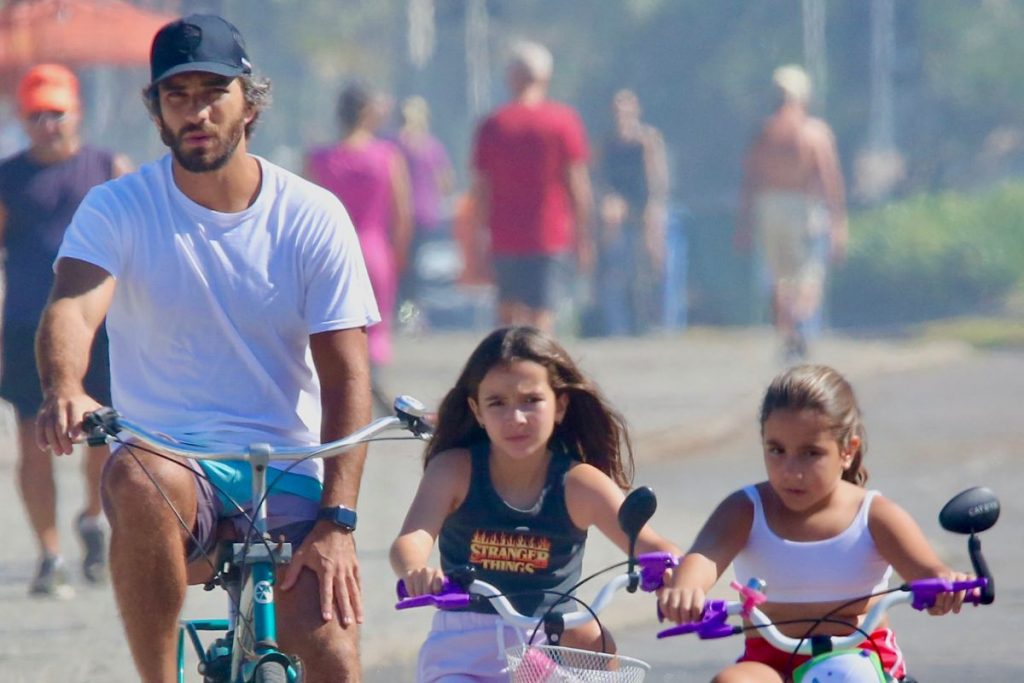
[253,564]
[246,570]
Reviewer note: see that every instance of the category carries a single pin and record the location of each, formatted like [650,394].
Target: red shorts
[760,650]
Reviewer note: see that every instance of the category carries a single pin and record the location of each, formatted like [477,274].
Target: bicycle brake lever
[712,623]
[652,569]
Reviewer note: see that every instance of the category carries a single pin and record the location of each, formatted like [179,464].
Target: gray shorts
[287,515]
[539,281]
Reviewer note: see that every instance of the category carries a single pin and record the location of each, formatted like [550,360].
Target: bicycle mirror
[634,512]
[970,512]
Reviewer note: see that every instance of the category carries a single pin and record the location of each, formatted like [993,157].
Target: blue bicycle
[247,651]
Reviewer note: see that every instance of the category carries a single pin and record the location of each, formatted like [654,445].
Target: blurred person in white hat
[793,207]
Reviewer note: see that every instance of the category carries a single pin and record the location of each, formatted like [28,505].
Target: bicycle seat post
[259,460]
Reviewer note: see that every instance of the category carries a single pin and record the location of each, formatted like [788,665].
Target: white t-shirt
[211,316]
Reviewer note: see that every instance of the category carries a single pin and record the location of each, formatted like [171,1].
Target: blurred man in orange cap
[40,188]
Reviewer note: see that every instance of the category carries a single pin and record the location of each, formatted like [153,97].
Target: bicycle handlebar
[459,592]
[919,594]
[103,426]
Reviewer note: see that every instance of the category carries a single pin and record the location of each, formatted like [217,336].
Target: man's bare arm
[581,193]
[78,303]
[480,208]
[830,177]
[402,220]
[342,363]
[656,211]
[743,237]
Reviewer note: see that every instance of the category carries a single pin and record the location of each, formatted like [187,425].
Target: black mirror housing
[970,512]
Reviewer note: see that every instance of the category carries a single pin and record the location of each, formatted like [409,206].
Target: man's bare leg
[35,481]
[512,313]
[542,319]
[516,313]
[92,468]
[330,653]
[147,555]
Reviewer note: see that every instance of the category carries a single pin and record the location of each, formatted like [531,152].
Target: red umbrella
[76,33]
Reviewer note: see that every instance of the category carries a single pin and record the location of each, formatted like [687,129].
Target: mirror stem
[634,576]
[988,593]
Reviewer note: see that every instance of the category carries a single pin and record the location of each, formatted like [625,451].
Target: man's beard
[195,161]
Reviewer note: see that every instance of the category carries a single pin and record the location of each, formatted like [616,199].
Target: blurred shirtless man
[793,204]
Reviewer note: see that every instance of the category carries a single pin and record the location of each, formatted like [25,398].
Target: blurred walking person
[633,173]
[793,204]
[431,182]
[368,175]
[531,187]
[40,188]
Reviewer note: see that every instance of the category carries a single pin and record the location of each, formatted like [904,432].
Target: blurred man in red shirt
[532,189]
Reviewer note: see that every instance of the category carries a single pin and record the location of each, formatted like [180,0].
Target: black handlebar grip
[99,424]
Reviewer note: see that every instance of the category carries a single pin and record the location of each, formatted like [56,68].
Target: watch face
[342,516]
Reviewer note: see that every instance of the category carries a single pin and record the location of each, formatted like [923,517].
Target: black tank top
[521,552]
[624,170]
[40,201]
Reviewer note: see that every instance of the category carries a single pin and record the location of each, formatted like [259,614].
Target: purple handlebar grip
[652,569]
[712,623]
[925,591]
[450,597]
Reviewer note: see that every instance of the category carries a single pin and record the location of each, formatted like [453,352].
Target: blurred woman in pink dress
[369,176]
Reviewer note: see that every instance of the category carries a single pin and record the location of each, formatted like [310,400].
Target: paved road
[691,400]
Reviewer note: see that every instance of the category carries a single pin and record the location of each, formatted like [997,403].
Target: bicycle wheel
[270,672]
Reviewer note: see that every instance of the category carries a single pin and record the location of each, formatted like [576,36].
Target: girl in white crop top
[811,531]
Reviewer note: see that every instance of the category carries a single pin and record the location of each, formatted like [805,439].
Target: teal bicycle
[247,651]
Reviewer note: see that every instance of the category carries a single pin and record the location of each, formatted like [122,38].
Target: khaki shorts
[792,230]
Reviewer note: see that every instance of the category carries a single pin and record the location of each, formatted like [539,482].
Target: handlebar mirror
[970,512]
[636,510]
[410,406]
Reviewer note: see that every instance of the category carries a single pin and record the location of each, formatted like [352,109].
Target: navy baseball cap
[198,42]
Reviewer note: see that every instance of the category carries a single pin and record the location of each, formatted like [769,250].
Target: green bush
[931,256]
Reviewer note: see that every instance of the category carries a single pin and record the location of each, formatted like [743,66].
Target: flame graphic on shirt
[509,552]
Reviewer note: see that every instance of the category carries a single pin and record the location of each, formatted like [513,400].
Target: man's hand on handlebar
[59,422]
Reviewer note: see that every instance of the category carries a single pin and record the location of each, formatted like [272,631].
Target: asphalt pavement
[682,394]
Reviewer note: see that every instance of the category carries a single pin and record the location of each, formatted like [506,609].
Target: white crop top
[839,568]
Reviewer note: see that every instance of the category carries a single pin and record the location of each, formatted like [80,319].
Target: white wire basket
[551,664]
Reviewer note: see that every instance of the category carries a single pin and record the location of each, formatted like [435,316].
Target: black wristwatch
[342,516]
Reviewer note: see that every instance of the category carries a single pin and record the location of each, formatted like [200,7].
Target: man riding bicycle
[237,303]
